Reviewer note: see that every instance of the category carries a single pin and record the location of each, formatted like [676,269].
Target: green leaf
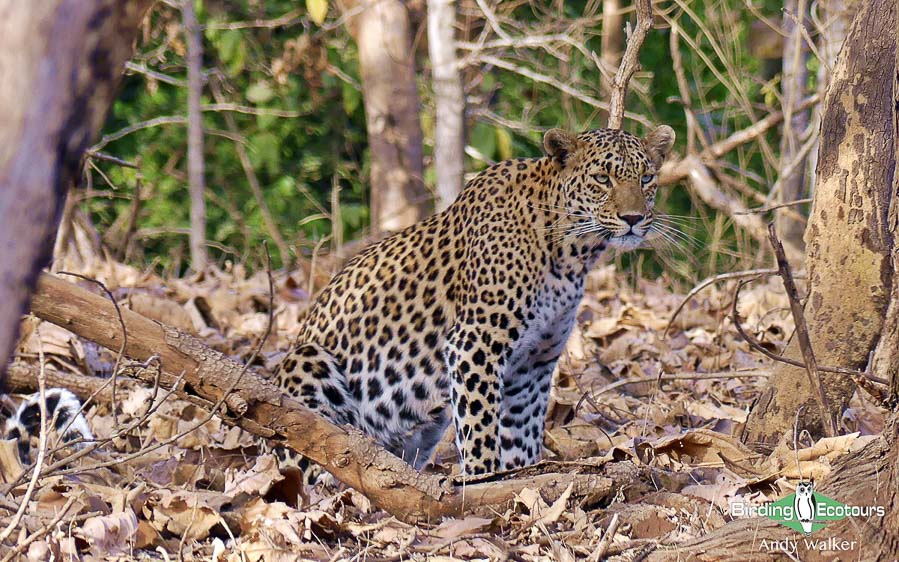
[503,144]
[232,49]
[260,92]
[351,97]
[266,151]
[317,9]
[483,138]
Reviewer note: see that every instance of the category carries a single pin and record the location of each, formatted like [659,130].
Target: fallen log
[257,406]
[867,477]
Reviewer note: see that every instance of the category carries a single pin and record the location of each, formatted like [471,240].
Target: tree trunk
[60,64]
[383,36]
[885,361]
[612,41]
[449,135]
[848,239]
[793,80]
[836,17]
[195,165]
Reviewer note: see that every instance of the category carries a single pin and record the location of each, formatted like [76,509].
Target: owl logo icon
[804,505]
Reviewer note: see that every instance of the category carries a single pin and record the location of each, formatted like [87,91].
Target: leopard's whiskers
[661,223]
[674,236]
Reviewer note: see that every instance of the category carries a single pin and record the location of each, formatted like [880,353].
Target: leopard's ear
[559,146]
[658,143]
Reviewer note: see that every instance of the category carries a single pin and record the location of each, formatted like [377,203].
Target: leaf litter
[630,389]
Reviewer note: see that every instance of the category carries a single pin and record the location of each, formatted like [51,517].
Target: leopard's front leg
[477,352]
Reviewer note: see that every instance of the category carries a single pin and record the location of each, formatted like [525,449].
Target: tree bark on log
[60,64]
[866,478]
[262,409]
[848,238]
[383,36]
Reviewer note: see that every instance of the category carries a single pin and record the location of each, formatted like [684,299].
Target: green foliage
[299,66]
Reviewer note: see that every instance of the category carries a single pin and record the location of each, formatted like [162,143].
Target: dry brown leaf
[257,480]
[708,411]
[452,528]
[703,447]
[109,534]
[10,464]
[185,513]
[539,511]
[162,310]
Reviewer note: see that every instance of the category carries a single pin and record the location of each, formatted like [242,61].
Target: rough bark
[836,17]
[60,64]
[196,169]
[848,240]
[383,36]
[262,409]
[793,80]
[885,361]
[449,130]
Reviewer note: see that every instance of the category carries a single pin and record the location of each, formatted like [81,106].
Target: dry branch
[703,184]
[260,408]
[805,344]
[629,63]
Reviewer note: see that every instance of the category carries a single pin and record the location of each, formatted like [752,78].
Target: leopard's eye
[647,178]
[602,179]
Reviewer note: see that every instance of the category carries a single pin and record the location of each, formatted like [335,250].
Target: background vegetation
[288,78]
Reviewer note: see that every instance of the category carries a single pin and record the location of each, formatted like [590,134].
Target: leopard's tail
[65,419]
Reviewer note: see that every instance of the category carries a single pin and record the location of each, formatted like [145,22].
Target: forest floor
[630,389]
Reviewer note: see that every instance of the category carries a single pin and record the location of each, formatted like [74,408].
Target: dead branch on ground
[260,408]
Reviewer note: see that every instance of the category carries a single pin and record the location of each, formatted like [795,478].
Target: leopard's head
[609,179]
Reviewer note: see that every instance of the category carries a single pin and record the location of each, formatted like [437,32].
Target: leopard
[462,317]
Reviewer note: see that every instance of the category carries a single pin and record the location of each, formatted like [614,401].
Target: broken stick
[260,408]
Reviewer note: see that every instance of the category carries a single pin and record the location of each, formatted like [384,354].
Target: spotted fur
[463,316]
[66,420]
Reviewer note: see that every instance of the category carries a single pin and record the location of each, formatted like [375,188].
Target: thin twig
[121,352]
[562,87]
[42,446]
[606,540]
[290,18]
[158,76]
[629,63]
[765,209]
[755,373]
[22,545]
[97,155]
[756,345]
[711,280]
[805,344]
[236,108]
[253,181]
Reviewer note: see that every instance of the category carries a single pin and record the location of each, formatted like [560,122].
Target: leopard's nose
[631,219]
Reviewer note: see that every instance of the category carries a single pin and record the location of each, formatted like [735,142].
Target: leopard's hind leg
[313,377]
